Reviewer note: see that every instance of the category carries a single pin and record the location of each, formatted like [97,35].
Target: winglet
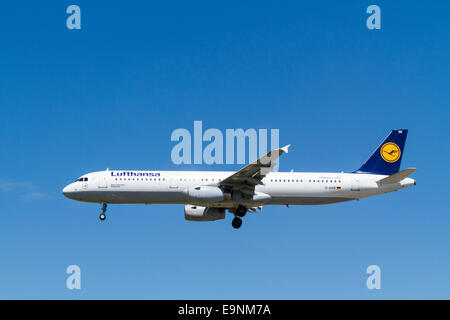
[285,149]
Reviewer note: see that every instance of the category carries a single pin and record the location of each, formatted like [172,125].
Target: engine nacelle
[204,194]
[197,213]
[260,197]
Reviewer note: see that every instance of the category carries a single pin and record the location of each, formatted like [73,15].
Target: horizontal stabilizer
[397,177]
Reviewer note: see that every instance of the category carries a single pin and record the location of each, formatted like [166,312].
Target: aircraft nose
[67,191]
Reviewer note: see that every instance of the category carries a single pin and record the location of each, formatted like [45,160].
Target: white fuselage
[170,187]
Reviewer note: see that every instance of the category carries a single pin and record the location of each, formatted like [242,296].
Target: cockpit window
[85,179]
[82,179]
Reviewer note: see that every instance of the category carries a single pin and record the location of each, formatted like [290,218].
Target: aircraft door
[103,181]
[355,185]
[173,183]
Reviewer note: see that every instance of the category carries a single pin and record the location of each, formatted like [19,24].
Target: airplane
[207,195]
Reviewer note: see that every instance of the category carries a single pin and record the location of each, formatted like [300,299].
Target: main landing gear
[239,213]
[103,215]
[236,223]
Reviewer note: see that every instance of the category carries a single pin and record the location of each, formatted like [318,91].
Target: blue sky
[110,94]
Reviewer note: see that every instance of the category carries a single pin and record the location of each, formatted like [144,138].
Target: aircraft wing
[248,177]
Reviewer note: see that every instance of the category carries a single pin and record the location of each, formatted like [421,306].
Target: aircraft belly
[122,196]
[156,197]
[307,200]
[177,197]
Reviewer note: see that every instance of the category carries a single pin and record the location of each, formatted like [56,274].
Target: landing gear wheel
[103,215]
[236,223]
[241,211]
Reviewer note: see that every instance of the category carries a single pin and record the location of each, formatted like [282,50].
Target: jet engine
[197,213]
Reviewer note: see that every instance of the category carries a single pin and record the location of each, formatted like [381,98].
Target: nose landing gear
[103,215]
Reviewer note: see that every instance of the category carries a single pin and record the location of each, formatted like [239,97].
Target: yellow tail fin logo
[390,152]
